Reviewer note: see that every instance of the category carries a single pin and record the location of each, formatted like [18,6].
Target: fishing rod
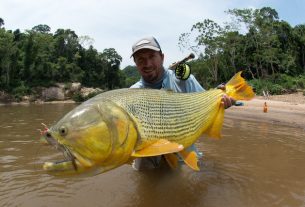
[182,70]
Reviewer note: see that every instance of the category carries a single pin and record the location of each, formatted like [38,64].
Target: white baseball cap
[145,43]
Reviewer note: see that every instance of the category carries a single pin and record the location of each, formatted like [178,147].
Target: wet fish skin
[116,126]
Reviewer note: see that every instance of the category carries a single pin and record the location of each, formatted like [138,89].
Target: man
[148,57]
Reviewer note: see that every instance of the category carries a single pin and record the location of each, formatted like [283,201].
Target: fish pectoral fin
[215,128]
[159,147]
[190,158]
[172,160]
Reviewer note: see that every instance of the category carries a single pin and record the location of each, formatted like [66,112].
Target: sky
[118,24]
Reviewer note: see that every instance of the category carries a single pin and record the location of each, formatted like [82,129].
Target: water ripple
[255,164]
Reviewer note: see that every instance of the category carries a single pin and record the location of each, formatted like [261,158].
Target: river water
[255,164]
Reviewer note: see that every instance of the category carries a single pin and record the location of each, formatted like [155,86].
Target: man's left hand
[227,101]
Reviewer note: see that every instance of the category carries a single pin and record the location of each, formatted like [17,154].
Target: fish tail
[238,88]
[215,128]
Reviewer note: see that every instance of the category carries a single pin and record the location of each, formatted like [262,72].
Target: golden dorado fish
[117,126]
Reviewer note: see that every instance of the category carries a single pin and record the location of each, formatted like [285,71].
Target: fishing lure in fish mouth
[68,163]
[42,133]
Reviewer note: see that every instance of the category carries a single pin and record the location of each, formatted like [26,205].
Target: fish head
[93,137]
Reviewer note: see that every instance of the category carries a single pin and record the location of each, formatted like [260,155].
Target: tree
[94,68]
[66,44]
[299,37]
[85,41]
[255,40]
[7,49]
[209,36]
[113,74]
[131,75]
[1,22]
[41,28]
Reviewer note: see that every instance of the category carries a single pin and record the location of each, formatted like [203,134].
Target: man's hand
[226,100]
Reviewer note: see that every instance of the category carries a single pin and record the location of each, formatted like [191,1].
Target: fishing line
[41,140]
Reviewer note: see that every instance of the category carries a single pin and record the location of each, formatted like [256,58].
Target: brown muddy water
[255,164]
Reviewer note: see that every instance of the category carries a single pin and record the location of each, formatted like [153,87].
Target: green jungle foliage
[77,97]
[281,84]
[39,58]
[270,51]
[132,75]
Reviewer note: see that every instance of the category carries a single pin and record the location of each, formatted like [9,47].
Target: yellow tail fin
[215,128]
[238,88]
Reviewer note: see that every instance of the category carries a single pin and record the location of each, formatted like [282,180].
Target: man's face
[149,64]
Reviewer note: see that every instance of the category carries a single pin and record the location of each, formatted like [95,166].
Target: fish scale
[162,114]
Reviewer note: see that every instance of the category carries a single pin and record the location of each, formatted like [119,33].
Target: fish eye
[63,131]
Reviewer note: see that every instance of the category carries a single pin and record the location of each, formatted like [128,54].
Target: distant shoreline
[286,109]
[69,101]
[282,110]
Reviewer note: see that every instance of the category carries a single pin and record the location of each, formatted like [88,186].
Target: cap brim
[145,47]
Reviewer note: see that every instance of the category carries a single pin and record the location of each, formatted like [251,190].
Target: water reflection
[255,164]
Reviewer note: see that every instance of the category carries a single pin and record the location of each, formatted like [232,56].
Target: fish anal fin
[160,147]
[214,130]
[190,158]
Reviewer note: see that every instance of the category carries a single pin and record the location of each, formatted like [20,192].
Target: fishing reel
[182,70]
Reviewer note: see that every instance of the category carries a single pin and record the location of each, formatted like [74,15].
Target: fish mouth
[69,163]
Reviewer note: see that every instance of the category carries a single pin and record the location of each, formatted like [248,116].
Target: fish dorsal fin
[172,160]
[160,147]
[190,158]
[215,128]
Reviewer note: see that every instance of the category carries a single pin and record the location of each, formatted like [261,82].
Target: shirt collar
[156,85]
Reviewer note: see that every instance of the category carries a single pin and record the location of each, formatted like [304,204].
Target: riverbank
[286,109]
[282,109]
[58,93]
[69,101]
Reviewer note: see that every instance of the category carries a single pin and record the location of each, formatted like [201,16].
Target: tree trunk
[272,68]
[8,76]
[232,59]
[257,71]
[249,69]
[215,69]
[303,58]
